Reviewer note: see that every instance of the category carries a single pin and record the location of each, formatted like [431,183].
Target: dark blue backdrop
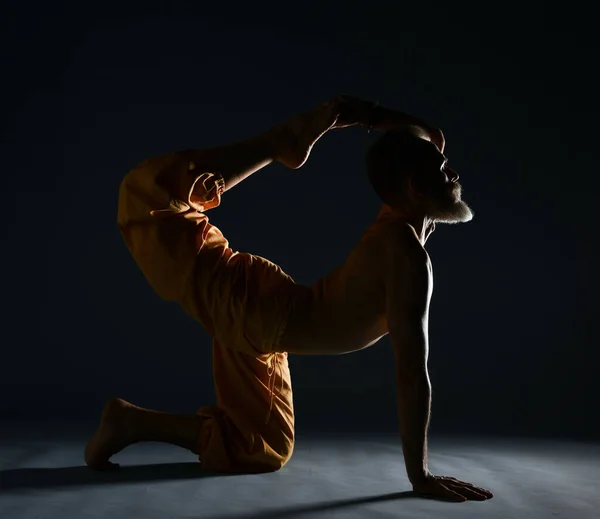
[91,89]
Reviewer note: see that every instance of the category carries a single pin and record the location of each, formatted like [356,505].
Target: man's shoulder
[400,243]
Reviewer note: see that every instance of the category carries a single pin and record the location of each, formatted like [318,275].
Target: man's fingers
[452,489]
[440,491]
[460,482]
[452,495]
[483,491]
[353,110]
[467,492]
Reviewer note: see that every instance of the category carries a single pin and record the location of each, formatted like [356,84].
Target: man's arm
[290,143]
[373,116]
[409,285]
[408,293]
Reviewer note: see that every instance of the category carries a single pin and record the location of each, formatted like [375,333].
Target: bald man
[256,313]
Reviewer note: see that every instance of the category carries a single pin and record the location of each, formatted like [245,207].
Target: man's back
[346,308]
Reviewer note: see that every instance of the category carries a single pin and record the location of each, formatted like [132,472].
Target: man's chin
[458,212]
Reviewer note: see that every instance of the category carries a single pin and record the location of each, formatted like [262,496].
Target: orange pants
[241,299]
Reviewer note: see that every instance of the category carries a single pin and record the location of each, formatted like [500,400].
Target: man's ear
[413,190]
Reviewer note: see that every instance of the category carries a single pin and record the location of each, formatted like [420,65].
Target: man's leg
[240,444]
[289,143]
[123,424]
[250,430]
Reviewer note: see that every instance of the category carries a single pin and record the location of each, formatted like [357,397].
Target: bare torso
[344,311]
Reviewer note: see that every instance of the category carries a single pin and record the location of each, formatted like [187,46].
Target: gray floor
[42,476]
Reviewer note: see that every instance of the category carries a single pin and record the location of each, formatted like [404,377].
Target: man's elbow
[413,375]
[411,349]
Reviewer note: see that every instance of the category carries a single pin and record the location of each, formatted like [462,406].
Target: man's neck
[422,225]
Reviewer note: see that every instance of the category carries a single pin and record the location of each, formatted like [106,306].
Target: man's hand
[293,140]
[353,111]
[449,489]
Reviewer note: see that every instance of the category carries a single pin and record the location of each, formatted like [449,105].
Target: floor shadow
[47,478]
[29,478]
[290,512]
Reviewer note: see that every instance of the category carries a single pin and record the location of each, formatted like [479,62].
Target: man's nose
[452,175]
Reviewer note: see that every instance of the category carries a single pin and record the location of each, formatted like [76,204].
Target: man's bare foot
[111,436]
[298,135]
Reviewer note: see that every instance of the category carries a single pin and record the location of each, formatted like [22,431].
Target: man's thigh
[251,429]
[244,302]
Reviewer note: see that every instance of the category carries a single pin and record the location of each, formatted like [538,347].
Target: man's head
[410,174]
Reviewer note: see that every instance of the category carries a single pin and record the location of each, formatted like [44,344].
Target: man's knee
[223,450]
[285,455]
[272,449]
[275,462]
[260,462]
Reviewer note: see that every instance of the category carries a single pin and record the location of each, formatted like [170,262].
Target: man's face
[438,189]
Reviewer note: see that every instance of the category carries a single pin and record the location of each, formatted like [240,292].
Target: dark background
[92,88]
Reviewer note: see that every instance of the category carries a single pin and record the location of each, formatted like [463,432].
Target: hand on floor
[450,489]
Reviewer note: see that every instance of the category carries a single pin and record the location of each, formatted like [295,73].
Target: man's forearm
[414,406]
[371,115]
[385,119]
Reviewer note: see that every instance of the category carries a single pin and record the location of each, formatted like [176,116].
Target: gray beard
[447,207]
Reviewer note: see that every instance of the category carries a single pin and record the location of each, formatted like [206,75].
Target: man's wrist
[372,116]
[420,476]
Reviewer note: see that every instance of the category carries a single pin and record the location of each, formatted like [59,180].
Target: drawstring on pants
[271,367]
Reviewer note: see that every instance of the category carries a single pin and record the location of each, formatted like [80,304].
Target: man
[257,314]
